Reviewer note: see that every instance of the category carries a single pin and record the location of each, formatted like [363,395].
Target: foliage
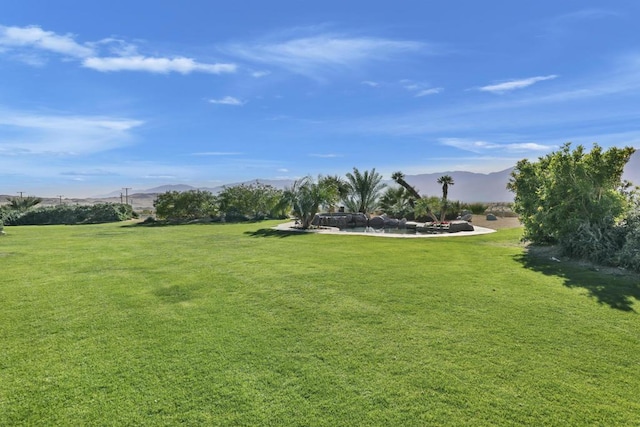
[186,205]
[306,196]
[340,191]
[628,255]
[239,325]
[475,208]
[72,214]
[22,204]
[365,190]
[575,199]
[398,177]
[397,202]
[250,202]
[9,216]
[445,181]
[426,207]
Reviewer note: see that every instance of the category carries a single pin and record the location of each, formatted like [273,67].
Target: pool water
[371,230]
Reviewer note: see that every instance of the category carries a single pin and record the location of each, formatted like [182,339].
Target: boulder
[491,217]
[456,226]
[376,222]
[359,220]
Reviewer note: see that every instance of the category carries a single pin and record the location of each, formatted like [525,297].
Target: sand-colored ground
[500,223]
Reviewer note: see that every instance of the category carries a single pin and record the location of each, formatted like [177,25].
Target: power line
[126,194]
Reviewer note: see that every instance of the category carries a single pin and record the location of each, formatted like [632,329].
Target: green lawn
[242,325]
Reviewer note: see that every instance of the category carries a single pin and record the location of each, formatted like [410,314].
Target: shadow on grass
[618,291]
[168,223]
[270,232]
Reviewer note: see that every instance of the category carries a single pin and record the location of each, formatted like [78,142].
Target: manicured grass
[242,325]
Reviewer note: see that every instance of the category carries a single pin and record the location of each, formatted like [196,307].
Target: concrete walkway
[289,226]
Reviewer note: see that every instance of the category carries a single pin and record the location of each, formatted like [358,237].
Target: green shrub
[66,214]
[186,205]
[476,208]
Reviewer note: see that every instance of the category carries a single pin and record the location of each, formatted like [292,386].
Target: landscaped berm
[219,324]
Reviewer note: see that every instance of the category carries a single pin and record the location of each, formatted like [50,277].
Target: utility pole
[126,194]
[20,192]
[60,196]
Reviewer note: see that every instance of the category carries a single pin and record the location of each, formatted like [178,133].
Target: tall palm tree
[365,190]
[445,181]
[398,177]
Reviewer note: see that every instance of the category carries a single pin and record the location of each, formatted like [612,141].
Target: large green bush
[251,202]
[70,214]
[577,200]
[185,205]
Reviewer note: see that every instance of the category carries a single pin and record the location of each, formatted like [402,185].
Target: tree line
[359,191]
[25,211]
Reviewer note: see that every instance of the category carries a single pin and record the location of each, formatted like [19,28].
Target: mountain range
[468,186]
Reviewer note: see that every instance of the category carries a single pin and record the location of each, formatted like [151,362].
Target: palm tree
[397,202]
[398,177]
[365,190]
[23,203]
[340,186]
[305,198]
[446,181]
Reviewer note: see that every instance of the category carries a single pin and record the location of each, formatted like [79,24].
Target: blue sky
[97,95]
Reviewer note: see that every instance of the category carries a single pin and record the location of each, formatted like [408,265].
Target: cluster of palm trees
[362,192]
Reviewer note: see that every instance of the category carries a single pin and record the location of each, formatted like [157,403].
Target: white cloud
[468,145]
[155,65]
[227,100]
[515,84]
[479,146]
[117,47]
[527,146]
[259,74]
[431,91]
[28,43]
[313,55]
[36,37]
[421,89]
[64,135]
[370,83]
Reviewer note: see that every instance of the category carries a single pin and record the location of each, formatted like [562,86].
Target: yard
[122,324]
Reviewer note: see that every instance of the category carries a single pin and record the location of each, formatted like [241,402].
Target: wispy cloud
[370,83]
[37,38]
[558,27]
[420,89]
[259,74]
[155,65]
[479,146]
[217,153]
[87,173]
[25,42]
[431,91]
[314,55]
[36,134]
[326,156]
[515,84]
[227,100]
